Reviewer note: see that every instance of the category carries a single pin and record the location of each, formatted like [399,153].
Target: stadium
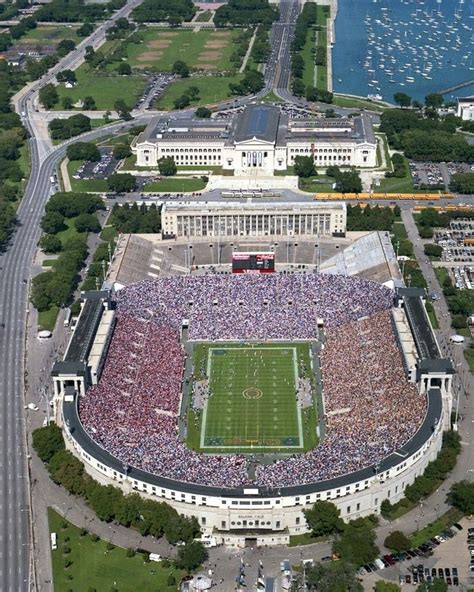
[243,398]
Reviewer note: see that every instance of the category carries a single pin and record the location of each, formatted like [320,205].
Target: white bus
[67,318]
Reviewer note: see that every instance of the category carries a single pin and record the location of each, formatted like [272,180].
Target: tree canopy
[323,518]
[339,576]
[304,166]
[191,556]
[47,441]
[245,12]
[461,496]
[83,151]
[121,183]
[167,166]
[356,545]
[158,11]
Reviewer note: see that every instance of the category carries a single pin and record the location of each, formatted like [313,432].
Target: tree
[83,151]
[434,101]
[124,69]
[121,151]
[437,585]
[48,441]
[461,496]
[122,109]
[66,76]
[383,586]
[397,541]
[88,103]
[180,68]
[432,250]
[323,518]
[67,103]
[167,166]
[87,223]
[297,87]
[193,93]
[68,471]
[121,183]
[48,96]
[181,102]
[402,99]
[357,543]
[52,222]
[191,556]
[304,166]
[50,243]
[203,113]
[85,30]
[335,577]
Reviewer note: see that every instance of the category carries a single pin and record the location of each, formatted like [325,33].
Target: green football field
[252,405]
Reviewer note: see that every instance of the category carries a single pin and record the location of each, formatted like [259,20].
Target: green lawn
[320,184]
[322,71]
[160,48]
[308,57]
[175,184]
[343,101]
[105,89]
[211,91]
[204,17]
[253,407]
[84,185]
[396,184]
[47,318]
[48,35]
[69,232]
[94,565]
[271,98]
[469,355]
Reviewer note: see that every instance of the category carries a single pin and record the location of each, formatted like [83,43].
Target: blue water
[411,46]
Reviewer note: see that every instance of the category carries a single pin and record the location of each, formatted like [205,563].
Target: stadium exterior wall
[270,517]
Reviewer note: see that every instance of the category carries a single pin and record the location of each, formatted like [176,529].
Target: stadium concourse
[132,411]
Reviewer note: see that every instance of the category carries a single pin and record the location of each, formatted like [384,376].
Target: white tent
[457,338]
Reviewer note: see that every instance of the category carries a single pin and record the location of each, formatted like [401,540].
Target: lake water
[412,46]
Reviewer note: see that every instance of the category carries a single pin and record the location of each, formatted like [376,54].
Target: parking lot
[448,556]
[154,89]
[457,241]
[435,175]
[98,170]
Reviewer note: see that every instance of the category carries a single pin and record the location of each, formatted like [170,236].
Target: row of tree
[56,287]
[149,517]
[61,11]
[161,11]
[245,13]
[462,183]
[305,24]
[436,471]
[371,217]
[12,138]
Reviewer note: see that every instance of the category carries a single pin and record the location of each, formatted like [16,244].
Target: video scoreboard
[253,262]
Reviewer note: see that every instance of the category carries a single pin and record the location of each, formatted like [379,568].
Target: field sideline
[252,404]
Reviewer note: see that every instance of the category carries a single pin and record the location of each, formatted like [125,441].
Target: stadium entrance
[251,542]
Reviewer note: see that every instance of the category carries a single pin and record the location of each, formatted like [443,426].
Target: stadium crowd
[239,307]
[133,410]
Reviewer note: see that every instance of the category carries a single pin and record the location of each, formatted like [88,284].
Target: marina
[412,46]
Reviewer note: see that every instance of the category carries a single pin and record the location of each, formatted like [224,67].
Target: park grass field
[98,566]
[45,35]
[253,407]
[211,90]
[104,89]
[205,49]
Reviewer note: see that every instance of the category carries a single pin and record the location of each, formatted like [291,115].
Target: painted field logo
[252,393]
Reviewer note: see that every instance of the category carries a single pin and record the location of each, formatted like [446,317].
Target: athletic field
[252,403]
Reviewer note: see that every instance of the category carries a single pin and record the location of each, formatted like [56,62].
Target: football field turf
[252,405]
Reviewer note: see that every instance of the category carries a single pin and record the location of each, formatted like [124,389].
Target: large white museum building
[259,140]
